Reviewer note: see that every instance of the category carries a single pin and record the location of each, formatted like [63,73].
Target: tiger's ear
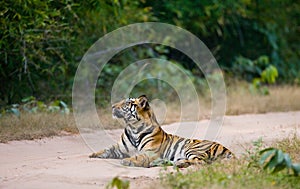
[143,101]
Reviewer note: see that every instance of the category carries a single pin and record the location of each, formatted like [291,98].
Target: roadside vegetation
[253,170]
[35,119]
[258,167]
[42,42]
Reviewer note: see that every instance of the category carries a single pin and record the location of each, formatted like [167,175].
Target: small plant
[253,154]
[118,183]
[269,75]
[257,87]
[32,105]
[260,72]
[275,160]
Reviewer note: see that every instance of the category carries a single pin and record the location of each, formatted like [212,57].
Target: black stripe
[143,135]
[144,144]
[165,135]
[175,148]
[148,131]
[184,146]
[168,147]
[124,144]
[214,153]
[224,151]
[203,147]
[189,152]
[131,140]
[113,153]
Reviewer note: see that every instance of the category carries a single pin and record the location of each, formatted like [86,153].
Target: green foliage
[252,155]
[257,87]
[31,105]
[35,43]
[260,71]
[245,27]
[118,183]
[42,42]
[251,69]
[275,160]
[269,75]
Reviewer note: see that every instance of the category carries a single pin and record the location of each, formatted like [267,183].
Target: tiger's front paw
[100,154]
[127,162]
[93,155]
[182,164]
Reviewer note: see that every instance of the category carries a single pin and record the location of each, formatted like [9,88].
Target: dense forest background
[42,42]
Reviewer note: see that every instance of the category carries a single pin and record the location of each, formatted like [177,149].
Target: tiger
[144,143]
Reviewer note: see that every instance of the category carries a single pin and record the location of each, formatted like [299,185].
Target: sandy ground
[62,162]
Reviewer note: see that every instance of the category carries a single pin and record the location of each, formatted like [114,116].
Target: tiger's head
[134,110]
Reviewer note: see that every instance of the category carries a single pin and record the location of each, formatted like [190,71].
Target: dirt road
[62,162]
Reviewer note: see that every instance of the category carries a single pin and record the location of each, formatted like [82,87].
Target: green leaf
[287,160]
[296,169]
[41,105]
[63,104]
[262,61]
[256,82]
[279,156]
[279,168]
[15,111]
[55,103]
[270,74]
[118,183]
[272,163]
[28,99]
[267,153]
[266,149]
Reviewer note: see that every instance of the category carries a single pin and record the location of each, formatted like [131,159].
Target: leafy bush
[260,72]
[260,68]
[31,105]
[42,42]
[275,160]
[269,75]
[35,41]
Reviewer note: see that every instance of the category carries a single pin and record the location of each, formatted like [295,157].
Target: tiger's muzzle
[117,113]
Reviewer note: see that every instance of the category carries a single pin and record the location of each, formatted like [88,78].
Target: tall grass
[239,101]
[37,125]
[281,98]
